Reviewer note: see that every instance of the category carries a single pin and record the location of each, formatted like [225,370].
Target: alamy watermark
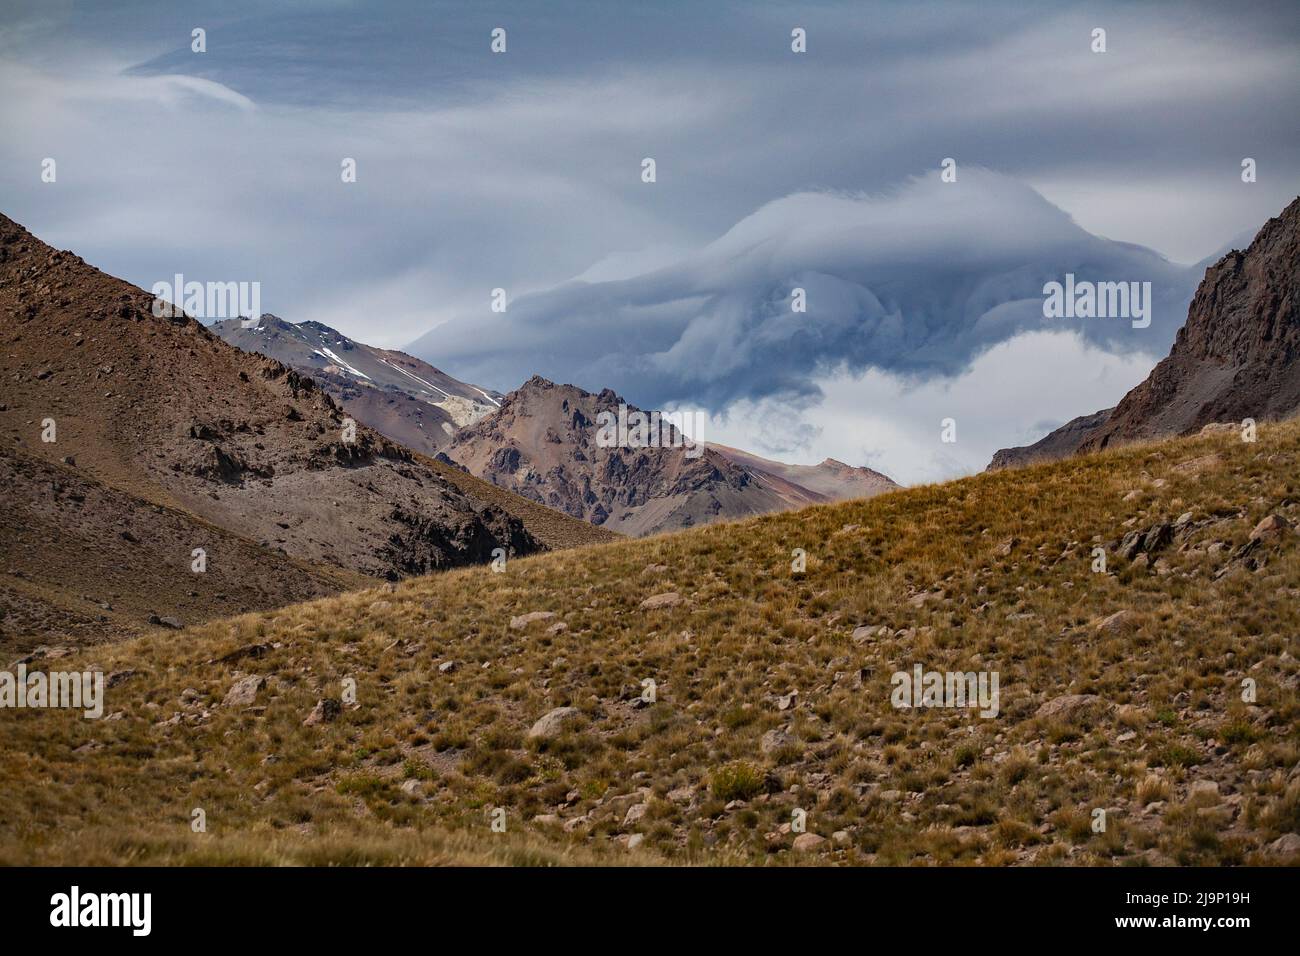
[82,690]
[208,300]
[75,908]
[637,429]
[922,688]
[1098,300]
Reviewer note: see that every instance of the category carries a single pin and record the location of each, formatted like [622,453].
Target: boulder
[1071,707]
[244,691]
[326,711]
[523,620]
[805,842]
[1274,526]
[551,723]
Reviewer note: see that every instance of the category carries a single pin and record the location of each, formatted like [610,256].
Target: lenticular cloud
[917,282]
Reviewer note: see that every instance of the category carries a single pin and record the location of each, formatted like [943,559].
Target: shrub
[736,781]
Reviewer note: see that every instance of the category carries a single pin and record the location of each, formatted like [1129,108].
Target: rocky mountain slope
[1237,357]
[680,697]
[542,444]
[1059,443]
[204,446]
[397,395]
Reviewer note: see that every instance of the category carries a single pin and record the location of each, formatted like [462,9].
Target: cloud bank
[916,282]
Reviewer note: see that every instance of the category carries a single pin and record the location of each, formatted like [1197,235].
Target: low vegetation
[744,705]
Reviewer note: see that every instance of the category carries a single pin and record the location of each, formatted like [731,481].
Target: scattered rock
[667,599]
[244,691]
[523,620]
[550,724]
[1071,707]
[326,711]
[805,842]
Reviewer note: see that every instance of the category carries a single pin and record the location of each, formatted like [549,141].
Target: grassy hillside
[991,573]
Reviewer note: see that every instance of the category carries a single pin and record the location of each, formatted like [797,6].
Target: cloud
[917,281]
[1012,394]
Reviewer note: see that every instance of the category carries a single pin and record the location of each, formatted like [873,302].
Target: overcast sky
[522,171]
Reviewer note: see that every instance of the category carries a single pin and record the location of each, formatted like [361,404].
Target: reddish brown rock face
[543,444]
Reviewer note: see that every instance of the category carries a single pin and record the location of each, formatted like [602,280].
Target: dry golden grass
[412,772]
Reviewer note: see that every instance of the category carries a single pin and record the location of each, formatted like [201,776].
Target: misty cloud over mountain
[917,282]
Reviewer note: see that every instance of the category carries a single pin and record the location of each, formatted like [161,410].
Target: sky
[819,170]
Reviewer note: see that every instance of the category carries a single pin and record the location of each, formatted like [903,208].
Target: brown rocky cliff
[1237,356]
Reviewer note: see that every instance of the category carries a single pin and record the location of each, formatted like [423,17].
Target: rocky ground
[727,694]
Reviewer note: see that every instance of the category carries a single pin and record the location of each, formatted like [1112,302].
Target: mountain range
[156,475]
[131,441]
[540,440]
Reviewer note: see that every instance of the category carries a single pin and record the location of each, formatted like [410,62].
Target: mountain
[772,691]
[1056,444]
[397,395]
[542,443]
[803,485]
[1237,356]
[131,440]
